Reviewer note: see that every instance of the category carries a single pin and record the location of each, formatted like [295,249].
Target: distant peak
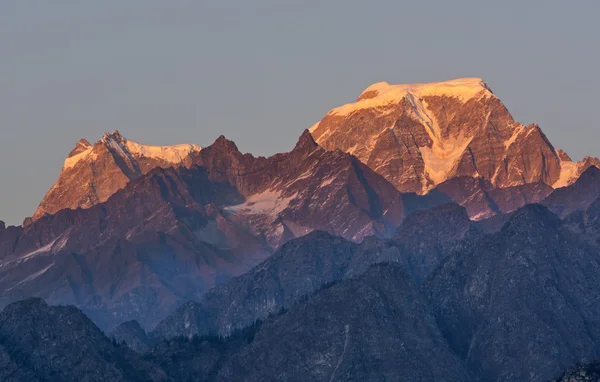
[81,146]
[118,143]
[462,88]
[223,143]
[591,172]
[306,141]
[563,156]
[381,94]
[115,135]
[84,142]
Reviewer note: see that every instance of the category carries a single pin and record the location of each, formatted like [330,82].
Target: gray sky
[261,71]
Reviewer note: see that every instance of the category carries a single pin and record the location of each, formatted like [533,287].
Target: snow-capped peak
[462,88]
[115,141]
[382,93]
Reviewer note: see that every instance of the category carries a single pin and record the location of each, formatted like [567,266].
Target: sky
[262,71]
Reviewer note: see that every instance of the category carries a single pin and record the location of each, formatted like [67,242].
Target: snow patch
[514,137]
[72,161]
[385,94]
[127,149]
[267,203]
[441,158]
[314,127]
[568,172]
[481,215]
[327,182]
[45,249]
[171,154]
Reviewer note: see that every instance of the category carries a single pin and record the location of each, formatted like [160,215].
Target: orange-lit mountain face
[129,231]
[419,136]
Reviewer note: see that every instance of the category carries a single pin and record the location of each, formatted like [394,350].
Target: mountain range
[419,232]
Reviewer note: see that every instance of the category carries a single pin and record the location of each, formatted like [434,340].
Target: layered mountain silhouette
[59,343]
[518,304]
[171,234]
[419,233]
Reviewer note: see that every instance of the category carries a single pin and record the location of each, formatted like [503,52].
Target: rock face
[419,136]
[427,237]
[483,200]
[586,223]
[132,257]
[579,196]
[175,232]
[416,136]
[517,304]
[303,265]
[521,304]
[289,195]
[92,173]
[298,269]
[373,327]
[39,342]
[132,334]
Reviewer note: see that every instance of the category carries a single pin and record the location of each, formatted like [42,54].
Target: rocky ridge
[92,173]
[173,233]
[422,135]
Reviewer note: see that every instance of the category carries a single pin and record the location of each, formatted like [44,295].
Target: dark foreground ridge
[516,304]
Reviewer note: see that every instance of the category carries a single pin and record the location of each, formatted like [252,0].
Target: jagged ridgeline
[419,233]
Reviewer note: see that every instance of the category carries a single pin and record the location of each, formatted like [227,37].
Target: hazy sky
[261,71]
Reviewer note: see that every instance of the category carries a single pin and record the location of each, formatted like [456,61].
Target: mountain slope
[289,195]
[61,344]
[483,200]
[92,173]
[419,136]
[132,257]
[578,196]
[303,265]
[521,304]
[298,269]
[175,232]
[373,327]
[427,237]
